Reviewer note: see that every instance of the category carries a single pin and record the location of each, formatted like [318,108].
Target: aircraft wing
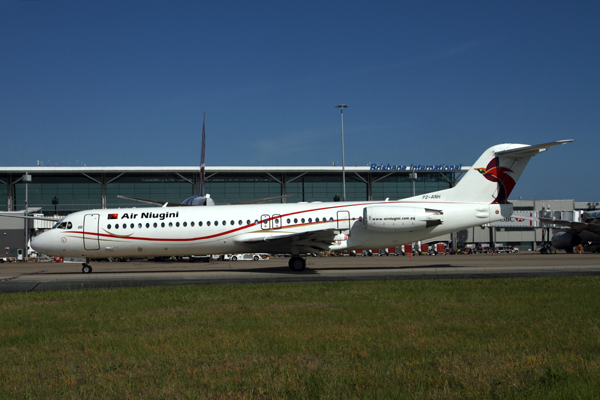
[168,204]
[31,217]
[155,202]
[575,226]
[263,200]
[304,242]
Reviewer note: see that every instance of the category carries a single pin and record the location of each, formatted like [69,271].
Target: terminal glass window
[236,188]
[325,187]
[168,188]
[399,186]
[61,193]
[4,197]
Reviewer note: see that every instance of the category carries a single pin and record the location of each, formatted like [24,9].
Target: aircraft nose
[39,244]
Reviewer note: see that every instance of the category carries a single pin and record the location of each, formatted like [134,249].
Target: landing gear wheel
[297,264]
[255,258]
[234,258]
[87,269]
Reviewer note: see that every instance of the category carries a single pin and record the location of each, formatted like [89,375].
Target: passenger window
[232,222]
[132,226]
[184,224]
[316,219]
[155,224]
[289,220]
[140,226]
[295,220]
[192,224]
[331,219]
[177,224]
[170,224]
[147,225]
[248,222]
[116,226]
[109,226]
[310,220]
[207,223]
[302,220]
[240,222]
[162,224]
[216,223]
[224,223]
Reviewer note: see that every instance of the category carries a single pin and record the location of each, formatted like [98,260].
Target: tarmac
[44,276]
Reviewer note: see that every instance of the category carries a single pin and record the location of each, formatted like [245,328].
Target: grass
[431,339]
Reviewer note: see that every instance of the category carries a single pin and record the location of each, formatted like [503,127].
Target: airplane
[575,233]
[480,197]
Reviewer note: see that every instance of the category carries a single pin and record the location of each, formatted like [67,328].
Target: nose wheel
[86,268]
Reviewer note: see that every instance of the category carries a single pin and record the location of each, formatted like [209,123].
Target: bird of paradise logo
[495,173]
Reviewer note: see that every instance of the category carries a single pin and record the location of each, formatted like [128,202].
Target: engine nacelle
[199,201]
[399,218]
[565,240]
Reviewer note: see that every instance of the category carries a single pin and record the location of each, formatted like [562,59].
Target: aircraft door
[270,221]
[91,229]
[343,220]
[276,221]
[265,222]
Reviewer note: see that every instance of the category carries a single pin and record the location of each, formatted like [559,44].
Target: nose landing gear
[86,268]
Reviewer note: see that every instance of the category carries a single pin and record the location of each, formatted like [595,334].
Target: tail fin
[202,157]
[494,175]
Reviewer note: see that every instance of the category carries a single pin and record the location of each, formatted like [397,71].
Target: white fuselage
[198,230]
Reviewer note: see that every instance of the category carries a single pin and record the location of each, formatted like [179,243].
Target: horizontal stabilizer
[530,151]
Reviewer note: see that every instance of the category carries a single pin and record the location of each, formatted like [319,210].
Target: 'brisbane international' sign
[417,167]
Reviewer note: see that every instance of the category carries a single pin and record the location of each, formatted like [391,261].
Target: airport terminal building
[63,190]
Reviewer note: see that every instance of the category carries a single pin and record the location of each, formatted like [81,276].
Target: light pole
[413,177]
[26,179]
[341,107]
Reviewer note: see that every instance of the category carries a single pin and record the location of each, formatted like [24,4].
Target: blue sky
[126,83]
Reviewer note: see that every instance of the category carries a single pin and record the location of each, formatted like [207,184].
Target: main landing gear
[297,263]
[86,268]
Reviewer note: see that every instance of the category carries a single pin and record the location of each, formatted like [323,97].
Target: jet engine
[399,218]
[565,240]
[198,201]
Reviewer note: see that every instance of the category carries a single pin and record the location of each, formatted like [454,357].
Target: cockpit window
[63,225]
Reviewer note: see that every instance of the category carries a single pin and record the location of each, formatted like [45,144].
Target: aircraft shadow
[262,270]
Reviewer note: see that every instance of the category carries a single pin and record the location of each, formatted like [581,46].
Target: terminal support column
[103,185]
